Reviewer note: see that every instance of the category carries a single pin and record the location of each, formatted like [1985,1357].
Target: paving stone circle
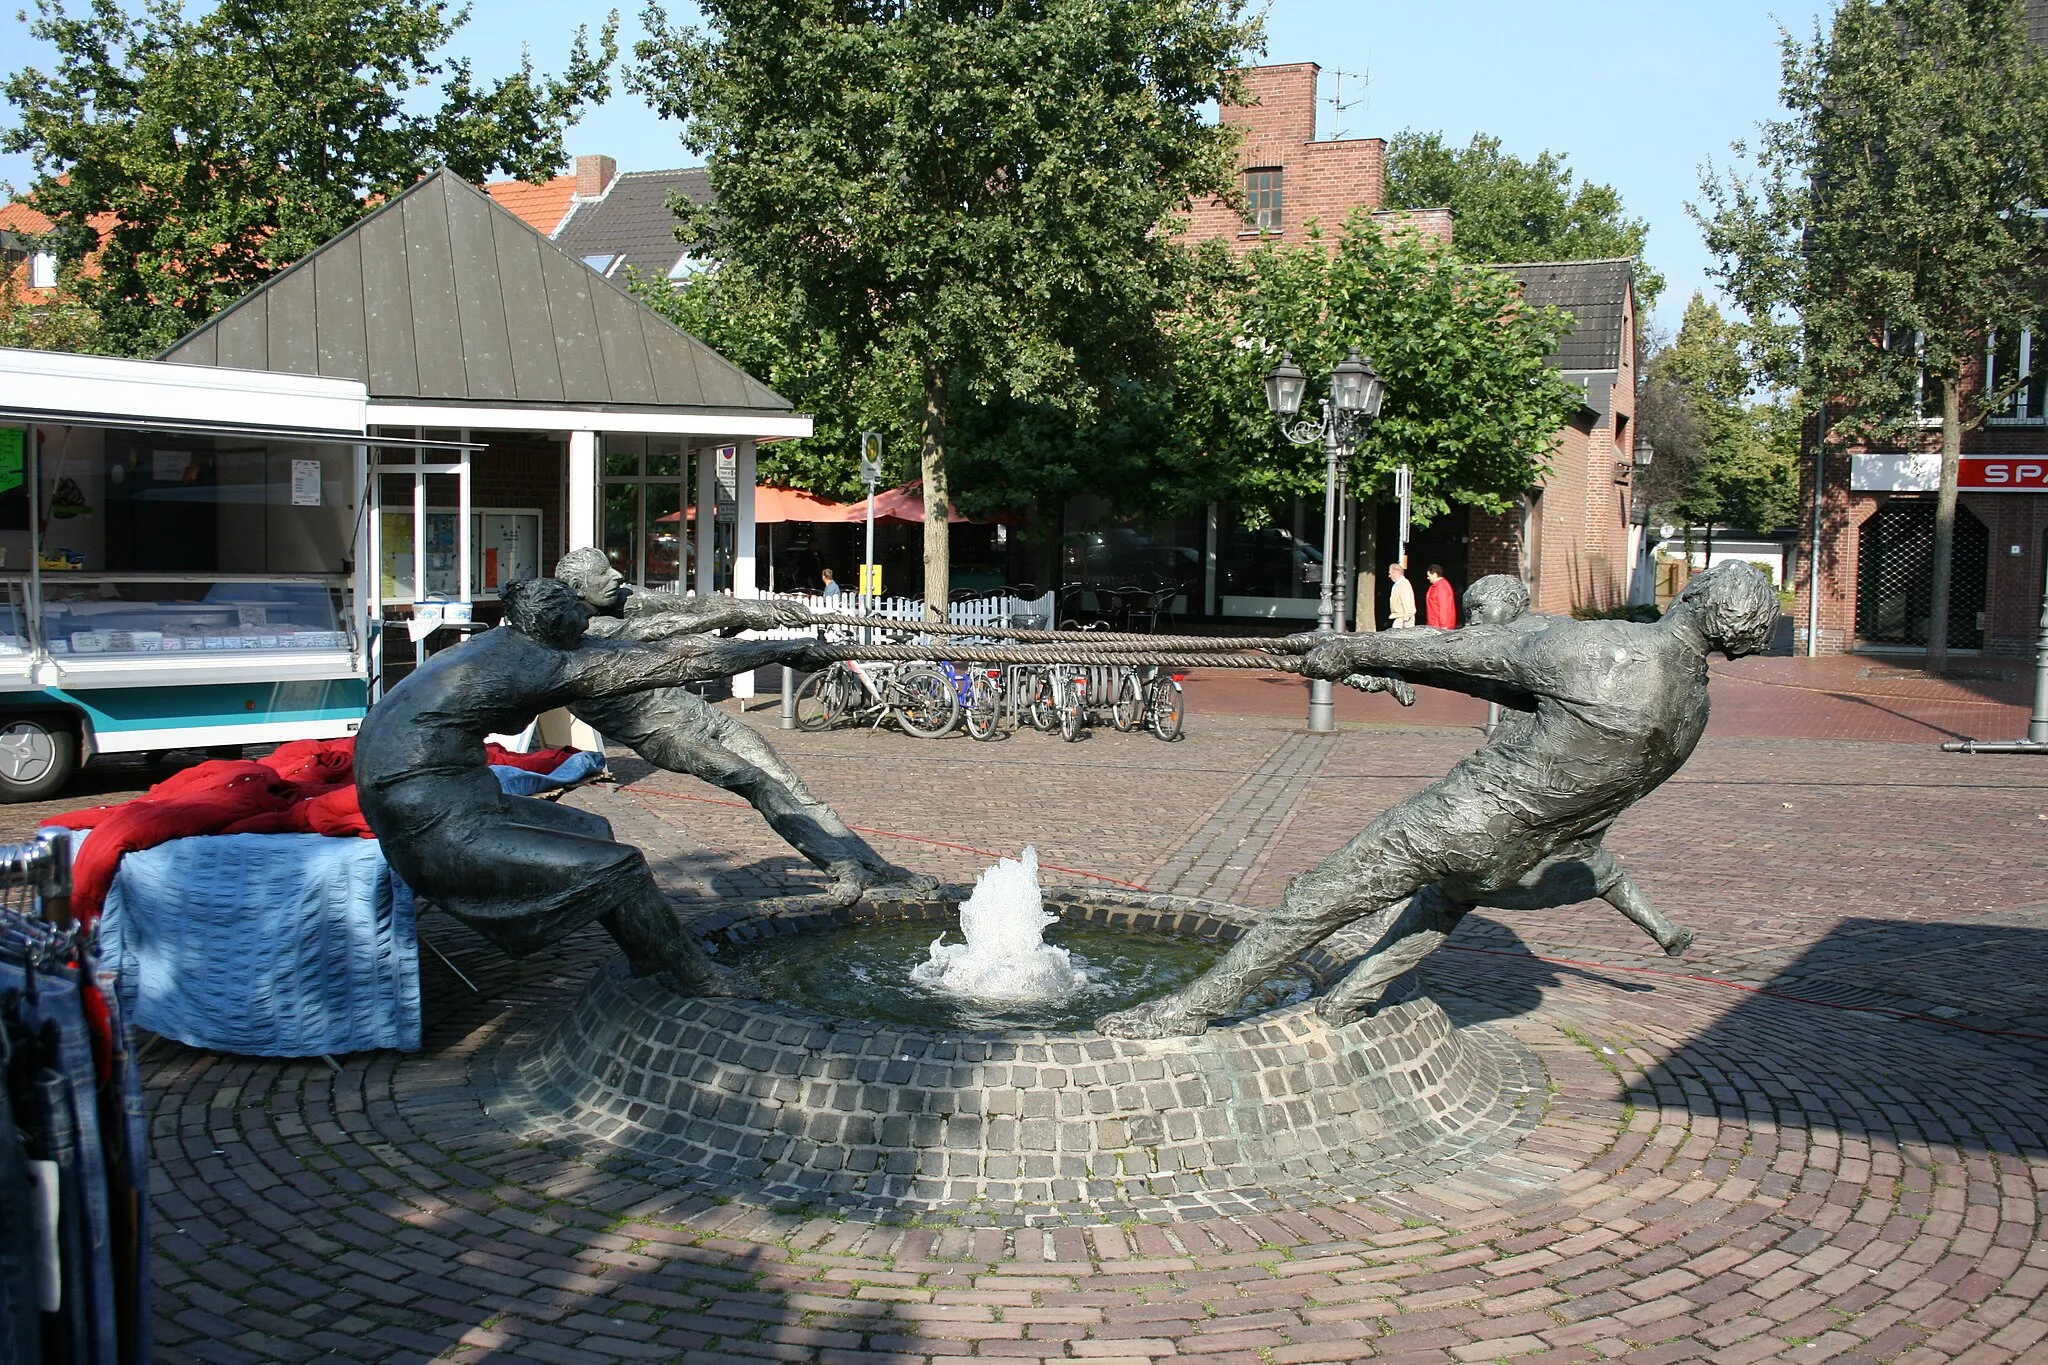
[775,1102]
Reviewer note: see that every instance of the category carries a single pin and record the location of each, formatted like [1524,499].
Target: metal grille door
[1895,577]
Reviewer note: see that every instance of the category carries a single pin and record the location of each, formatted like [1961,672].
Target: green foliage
[200,155]
[1470,403]
[1509,209]
[1644,613]
[1898,197]
[47,320]
[974,189]
[1722,455]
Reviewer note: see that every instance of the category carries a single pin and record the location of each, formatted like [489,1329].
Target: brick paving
[1819,1137]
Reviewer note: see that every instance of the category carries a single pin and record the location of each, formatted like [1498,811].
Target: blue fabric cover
[276,945]
[266,945]
[581,767]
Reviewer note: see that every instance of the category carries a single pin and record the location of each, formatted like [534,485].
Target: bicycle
[1156,700]
[916,696]
[977,692]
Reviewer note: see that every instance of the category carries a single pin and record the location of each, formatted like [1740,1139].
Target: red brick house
[1571,538]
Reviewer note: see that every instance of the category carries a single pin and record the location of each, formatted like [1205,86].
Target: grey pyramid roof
[1595,293]
[443,296]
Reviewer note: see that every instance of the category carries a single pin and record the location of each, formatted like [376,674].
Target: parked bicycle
[917,696]
[1150,698]
[978,693]
[1052,697]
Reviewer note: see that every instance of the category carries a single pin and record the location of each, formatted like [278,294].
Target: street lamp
[1355,397]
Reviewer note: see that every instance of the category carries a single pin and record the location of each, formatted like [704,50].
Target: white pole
[583,529]
[743,545]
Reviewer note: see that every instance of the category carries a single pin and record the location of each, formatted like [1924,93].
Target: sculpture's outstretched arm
[607,668]
[1498,664]
[704,615]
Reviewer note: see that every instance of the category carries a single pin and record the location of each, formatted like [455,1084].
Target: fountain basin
[770,1100]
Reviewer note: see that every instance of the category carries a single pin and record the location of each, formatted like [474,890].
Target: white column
[707,517]
[582,515]
[743,557]
[369,551]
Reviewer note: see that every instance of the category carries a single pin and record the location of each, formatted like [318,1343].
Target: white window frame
[2021,413]
[42,270]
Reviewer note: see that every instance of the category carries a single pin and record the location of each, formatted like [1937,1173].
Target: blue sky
[1636,95]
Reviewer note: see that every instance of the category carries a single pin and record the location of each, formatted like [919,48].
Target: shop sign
[2003,474]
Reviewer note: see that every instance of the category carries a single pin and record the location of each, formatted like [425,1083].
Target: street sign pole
[870,474]
[1404,488]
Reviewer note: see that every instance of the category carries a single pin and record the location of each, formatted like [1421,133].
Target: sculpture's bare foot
[1338,1011]
[896,883]
[1165,1017]
[850,881]
[712,979]
[1676,945]
[853,881]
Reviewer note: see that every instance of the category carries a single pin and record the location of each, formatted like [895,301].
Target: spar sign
[2003,474]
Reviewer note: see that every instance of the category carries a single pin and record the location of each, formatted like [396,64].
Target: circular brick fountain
[769,1100]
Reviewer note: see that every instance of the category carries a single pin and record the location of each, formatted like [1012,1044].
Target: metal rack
[35,879]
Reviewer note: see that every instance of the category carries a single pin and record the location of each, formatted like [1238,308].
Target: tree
[1508,209]
[192,158]
[972,188]
[1472,406]
[1894,223]
[1722,455]
[44,320]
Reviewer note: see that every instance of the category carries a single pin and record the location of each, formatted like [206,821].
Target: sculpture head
[547,610]
[1733,606]
[591,574]
[1496,599]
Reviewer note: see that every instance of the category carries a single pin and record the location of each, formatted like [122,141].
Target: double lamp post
[1354,401]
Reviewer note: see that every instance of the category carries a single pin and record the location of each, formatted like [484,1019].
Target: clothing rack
[74,1159]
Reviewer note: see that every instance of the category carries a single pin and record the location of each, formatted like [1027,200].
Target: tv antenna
[1335,99]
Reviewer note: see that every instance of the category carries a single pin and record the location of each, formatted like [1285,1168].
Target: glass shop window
[644,532]
[220,506]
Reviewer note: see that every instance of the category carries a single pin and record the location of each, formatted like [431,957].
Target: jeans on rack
[21,1327]
[72,1099]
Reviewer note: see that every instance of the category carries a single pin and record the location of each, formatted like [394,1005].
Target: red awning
[772,504]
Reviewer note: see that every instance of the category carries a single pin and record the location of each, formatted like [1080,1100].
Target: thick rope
[1051,654]
[1108,639]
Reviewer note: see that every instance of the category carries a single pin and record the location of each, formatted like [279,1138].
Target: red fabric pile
[306,787]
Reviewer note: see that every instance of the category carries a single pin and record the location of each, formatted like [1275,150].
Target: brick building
[1571,538]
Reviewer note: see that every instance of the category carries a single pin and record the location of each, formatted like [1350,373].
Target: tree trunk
[1945,521]
[938,494]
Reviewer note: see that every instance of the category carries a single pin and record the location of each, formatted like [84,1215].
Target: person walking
[1439,603]
[1400,597]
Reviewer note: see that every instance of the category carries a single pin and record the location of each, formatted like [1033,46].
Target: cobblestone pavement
[1819,1137]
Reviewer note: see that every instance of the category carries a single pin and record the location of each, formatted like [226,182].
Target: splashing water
[1005,957]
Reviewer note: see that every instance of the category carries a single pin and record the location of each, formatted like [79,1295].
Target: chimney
[594,175]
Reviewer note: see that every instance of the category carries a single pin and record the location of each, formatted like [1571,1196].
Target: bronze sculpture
[679,731]
[525,873]
[1614,709]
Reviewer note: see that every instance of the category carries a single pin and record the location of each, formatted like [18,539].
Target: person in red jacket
[1440,603]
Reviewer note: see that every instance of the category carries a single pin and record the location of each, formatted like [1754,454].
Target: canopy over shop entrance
[464,323]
